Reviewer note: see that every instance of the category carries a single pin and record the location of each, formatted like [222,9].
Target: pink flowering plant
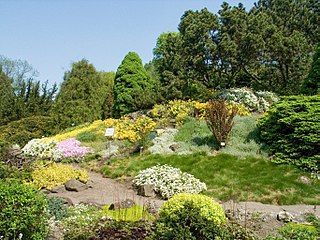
[70,148]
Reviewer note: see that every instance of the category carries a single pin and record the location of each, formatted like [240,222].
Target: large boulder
[75,185]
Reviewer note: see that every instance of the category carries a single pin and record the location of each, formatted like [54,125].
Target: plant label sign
[109,132]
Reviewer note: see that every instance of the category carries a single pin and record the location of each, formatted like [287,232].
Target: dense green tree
[267,48]
[134,89]
[6,98]
[81,95]
[311,85]
[168,63]
[289,43]
[108,81]
[198,30]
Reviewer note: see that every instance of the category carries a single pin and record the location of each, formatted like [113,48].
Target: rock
[58,189]
[128,203]
[305,179]
[66,200]
[45,191]
[146,190]
[284,216]
[91,203]
[151,207]
[174,147]
[75,185]
[55,233]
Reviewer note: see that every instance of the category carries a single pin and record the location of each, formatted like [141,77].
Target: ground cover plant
[56,174]
[169,181]
[230,177]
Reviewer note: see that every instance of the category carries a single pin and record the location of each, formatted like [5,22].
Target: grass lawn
[231,177]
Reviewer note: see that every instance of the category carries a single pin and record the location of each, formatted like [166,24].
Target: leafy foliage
[219,120]
[189,216]
[311,85]
[22,211]
[292,129]
[22,131]
[134,89]
[57,209]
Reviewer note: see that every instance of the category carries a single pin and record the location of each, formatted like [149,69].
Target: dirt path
[261,218]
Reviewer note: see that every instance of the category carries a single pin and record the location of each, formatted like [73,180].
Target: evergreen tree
[6,98]
[81,96]
[134,89]
[311,85]
[108,81]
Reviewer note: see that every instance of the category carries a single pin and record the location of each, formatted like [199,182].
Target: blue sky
[51,34]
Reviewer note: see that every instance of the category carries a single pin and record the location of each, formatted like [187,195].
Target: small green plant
[57,209]
[219,120]
[22,212]
[295,231]
[86,137]
[189,216]
[134,213]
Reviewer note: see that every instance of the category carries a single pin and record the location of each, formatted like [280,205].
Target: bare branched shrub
[220,119]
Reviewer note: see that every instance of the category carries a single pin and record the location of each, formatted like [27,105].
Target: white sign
[109,132]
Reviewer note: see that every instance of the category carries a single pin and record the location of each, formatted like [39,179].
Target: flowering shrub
[179,110]
[169,181]
[125,128]
[70,148]
[41,149]
[255,101]
[56,175]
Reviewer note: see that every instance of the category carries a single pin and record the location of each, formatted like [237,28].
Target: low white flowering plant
[41,149]
[169,181]
[258,101]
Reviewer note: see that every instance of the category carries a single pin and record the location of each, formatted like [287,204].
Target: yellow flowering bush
[55,175]
[125,128]
[179,110]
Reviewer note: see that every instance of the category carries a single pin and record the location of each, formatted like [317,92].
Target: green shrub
[22,131]
[57,209]
[86,137]
[292,130]
[22,211]
[189,216]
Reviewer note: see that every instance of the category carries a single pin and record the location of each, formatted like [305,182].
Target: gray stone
[58,189]
[128,203]
[151,207]
[285,216]
[174,147]
[146,190]
[75,185]
[305,179]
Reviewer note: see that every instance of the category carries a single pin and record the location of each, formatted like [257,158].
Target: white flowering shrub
[169,181]
[41,149]
[256,101]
